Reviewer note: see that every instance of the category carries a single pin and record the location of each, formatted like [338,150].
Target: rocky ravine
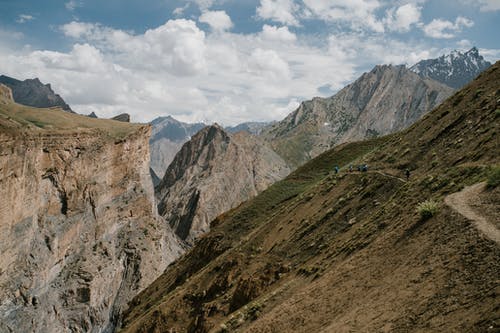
[383,101]
[79,234]
[212,173]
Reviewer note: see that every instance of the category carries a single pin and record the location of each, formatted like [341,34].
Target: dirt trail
[460,202]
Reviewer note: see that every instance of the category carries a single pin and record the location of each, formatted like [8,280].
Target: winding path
[460,202]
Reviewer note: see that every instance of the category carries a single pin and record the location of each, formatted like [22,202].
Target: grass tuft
[427,209]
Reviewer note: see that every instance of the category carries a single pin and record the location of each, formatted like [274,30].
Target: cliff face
[383,101]
[79,234]
[211,174]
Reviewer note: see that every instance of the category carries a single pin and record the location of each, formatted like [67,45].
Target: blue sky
[226,60]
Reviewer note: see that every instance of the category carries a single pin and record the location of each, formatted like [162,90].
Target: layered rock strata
[79,232]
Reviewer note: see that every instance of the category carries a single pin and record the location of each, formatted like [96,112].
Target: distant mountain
[167,137]
[383,101]
[32,92]
[455,69]
[212,173]
[250,127]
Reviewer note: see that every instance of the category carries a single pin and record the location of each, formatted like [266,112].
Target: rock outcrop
[79,232]
[212,173]
[455,69]
[168,136]
[123,117]
[383,101]
[32,92]
[6,94]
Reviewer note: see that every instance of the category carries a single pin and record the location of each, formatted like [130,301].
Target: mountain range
[355,251]
[455,69]
[250,228]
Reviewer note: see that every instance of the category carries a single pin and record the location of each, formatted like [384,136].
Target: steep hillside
[32,92]
[212,173]
[79,233]
[168,136]
[455,69]
[349,252]
[383,101]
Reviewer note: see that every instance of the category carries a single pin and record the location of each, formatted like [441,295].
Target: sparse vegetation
[427,209]
[493,178]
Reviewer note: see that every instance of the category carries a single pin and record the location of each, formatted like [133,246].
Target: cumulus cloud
[282,11]
[439,28]
[217,20]
[273,33]
[23,18]
[403,17]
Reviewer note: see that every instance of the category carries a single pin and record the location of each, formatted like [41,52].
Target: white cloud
[282,11]
[402,18]
[484,5]
[358,14]
[180,10]
[439,28]
[23,18]
[217,20]
[72,5]
[273,33]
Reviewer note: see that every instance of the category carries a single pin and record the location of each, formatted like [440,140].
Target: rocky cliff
[79,233]
[455,69]
[385,100]
[212,173]
[167,138]
[32,92]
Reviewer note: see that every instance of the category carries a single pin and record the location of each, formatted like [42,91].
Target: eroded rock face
[79,233]
[211,174]
[383,101]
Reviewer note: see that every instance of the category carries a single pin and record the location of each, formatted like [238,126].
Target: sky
[226,61]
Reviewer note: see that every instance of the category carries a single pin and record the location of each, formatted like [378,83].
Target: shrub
[493,178]
[427,209]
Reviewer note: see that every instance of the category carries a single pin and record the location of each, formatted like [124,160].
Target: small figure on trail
[359,167]
[407,174]
[365,168]
[350,167]
[336,169]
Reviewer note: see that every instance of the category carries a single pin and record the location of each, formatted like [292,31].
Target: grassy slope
[318,252]
[15,117]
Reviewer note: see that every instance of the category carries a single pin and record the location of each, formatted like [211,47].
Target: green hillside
[15,118]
